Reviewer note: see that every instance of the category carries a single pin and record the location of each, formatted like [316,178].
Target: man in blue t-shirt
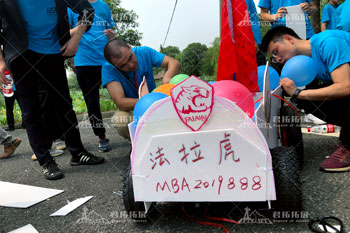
[330,50]
[274,11]
[343,16]
[329,17]
[124,72]
[88,62]
[35,43]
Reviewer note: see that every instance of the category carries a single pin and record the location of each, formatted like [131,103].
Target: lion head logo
[198,99]
[193,101]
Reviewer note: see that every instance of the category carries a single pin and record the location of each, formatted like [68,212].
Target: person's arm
[266,16]
[173,68]
[323,26]
[70,48]
[338,90]
[116,91]
[85,20]
[309,8]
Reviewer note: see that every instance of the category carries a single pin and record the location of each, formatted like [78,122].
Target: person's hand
[288,86]
[281,12]
[110,34]
[305,7]
[3,79]
[70,48]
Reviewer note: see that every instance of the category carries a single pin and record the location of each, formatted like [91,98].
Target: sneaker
[86,158]
[51,171]
[60,144]
[339,161]
[103,145]
[10,149]
[54,153]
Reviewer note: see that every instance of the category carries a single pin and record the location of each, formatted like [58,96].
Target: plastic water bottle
[329,128]
[7,89]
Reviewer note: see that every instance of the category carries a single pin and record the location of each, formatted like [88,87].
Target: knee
[120,121]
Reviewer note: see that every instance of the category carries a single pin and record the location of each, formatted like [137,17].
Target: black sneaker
[51,171]
[86,158]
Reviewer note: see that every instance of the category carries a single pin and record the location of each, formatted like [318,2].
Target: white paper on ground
[25,229]
[71,206]
[23,196]
[295,19]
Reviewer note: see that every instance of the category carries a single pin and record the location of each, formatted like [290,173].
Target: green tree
[171,51]
[191,58]
[125,23]
[210,59]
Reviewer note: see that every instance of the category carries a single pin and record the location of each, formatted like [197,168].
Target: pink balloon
[236,92]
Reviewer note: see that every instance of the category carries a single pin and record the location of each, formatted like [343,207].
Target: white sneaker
[309,118]
[54,153]
[60,144]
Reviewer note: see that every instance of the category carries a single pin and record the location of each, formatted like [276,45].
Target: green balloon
[178,78]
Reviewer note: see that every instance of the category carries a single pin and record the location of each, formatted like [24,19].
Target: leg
[336,112]
[9,102]
[120,121]
[89,79]
[19,103]
[53,73]
[345,130]
[55,91]
[26,79]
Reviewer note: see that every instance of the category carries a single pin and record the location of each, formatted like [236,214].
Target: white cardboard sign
[202,166]
[295,19]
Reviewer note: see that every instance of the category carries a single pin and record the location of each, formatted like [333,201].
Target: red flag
[237,53]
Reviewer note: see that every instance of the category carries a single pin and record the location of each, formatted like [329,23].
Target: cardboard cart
[194,146]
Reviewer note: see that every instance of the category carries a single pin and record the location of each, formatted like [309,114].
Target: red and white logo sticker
[193,100]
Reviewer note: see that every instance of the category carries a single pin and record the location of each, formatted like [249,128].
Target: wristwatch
[296,93]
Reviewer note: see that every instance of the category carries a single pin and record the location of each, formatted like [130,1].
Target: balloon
[178,78]
[274,77]
[145,102]
[164,88]
[301,69]
[211,82]
[237,93]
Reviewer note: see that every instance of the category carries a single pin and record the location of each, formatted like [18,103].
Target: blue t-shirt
[90,50]
[330,49]
[147,58]
[40,20]
[274,5]
[329,15]
[343,16]
[254,21]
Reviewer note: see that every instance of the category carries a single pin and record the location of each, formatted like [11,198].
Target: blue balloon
[145,102]
[274,77]
[301,69]
[211,82]
[256,105]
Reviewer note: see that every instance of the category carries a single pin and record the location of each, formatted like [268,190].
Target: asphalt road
[324,194]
